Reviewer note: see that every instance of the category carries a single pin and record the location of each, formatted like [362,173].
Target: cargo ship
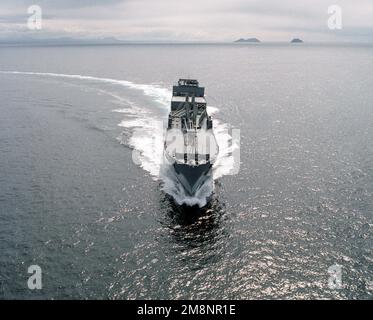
[190,145]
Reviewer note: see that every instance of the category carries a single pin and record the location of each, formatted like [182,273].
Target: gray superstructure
[190,144]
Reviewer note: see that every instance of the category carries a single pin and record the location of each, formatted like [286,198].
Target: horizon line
[73,41]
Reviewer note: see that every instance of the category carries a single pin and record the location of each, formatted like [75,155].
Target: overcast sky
[189,20]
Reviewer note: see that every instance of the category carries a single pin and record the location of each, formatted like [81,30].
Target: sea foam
[146,136]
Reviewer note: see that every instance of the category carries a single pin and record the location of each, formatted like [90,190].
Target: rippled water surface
[82,194]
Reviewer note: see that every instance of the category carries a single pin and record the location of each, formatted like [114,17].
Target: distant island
[296,40]
[252,40]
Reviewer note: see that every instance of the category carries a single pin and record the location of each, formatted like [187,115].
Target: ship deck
[192,147]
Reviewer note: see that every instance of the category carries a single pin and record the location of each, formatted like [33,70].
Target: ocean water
[83,194]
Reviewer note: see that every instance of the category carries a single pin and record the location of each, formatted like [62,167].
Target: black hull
[192,177]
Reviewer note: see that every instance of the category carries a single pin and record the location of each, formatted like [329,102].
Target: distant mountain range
[35,40]
[296,40]
[253,40]
[60,41]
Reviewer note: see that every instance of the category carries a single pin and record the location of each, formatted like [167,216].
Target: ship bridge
[187,87]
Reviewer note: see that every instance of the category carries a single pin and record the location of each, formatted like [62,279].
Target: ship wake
[143,126]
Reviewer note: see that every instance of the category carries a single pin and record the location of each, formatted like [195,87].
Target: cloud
[61,4]
[199,20]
